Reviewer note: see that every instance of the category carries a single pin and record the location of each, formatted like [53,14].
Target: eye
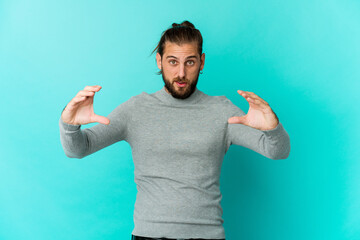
[191,62]
[172,62]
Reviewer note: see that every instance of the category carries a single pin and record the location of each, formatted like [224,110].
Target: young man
[179,136]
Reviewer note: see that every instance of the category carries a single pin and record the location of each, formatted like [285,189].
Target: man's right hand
[80,110]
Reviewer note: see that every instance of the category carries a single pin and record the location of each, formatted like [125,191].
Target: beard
[184,92]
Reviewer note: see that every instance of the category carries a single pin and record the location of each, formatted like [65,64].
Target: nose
[181,71]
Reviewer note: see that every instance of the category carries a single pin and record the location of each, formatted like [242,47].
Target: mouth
[181,84]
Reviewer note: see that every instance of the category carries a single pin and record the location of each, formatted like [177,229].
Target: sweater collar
[167,98]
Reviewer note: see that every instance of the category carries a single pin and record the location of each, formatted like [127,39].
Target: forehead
[184,49]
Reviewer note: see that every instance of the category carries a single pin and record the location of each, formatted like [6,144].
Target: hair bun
[184,24]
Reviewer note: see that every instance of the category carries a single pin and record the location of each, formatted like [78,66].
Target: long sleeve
[274,143]
[78,143]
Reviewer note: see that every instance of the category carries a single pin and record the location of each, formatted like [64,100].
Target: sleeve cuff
[275,132]
[69,127]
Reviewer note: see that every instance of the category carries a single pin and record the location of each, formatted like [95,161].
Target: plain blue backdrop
[301,56]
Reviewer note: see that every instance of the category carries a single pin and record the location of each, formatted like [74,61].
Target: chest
[179,131]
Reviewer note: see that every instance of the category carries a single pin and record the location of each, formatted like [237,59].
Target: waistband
[134,237]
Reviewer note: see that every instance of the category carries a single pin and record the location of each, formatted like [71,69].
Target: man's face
[180,66]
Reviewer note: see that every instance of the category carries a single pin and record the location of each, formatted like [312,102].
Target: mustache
[180,80]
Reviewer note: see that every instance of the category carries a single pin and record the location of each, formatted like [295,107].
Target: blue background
[301,56]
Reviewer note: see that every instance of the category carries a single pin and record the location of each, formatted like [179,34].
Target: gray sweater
[178,147]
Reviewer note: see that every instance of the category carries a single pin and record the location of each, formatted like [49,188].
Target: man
[179,136]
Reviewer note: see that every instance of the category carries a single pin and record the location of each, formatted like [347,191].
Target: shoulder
[220,100]
[144,98]
[224,104]
[137,99]
[129,104]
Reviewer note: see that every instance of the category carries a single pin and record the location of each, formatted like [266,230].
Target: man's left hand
[259,116]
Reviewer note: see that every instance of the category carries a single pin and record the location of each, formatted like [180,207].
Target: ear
[202,58]
[158,60]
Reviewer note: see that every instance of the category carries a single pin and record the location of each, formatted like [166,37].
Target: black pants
[133,237]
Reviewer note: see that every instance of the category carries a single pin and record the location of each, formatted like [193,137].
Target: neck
[168,99]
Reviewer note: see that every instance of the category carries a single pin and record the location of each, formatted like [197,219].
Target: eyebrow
[193,56]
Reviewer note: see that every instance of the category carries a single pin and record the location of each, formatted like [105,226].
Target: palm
[259,116]
[85,112]
[80,110]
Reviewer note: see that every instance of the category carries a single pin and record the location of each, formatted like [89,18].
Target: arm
[259,130]
[78,143]
[274,144]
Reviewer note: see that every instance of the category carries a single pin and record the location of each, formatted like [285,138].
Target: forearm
[79,143]
[74,141]
[274,143]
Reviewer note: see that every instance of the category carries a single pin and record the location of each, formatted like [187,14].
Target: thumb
[101,119]
[240,120]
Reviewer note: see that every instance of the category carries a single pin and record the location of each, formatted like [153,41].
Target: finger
[236,120]
[76,100]
[101,119]
[79,99]
[259,98]
[243,94]
[83,93]
[253,95]
[256,103]
[247,96]
[95,88]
